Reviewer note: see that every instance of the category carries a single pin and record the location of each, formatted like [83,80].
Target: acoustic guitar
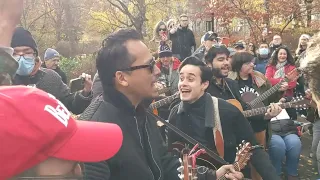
[255,101]
[297,103]
[161,91]
[189,165]
[157,104]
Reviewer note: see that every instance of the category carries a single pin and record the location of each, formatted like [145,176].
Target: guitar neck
[268,93]
[162,102]
[163,90]
[258,111]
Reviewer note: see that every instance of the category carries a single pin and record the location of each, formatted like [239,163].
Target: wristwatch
[8,65]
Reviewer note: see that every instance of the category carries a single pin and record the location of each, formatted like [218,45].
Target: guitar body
[236,103]
[249,96]
[179,149]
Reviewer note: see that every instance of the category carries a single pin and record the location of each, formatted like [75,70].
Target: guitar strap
[217,129]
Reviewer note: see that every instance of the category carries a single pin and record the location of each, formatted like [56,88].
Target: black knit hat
[164,51]
[22,37]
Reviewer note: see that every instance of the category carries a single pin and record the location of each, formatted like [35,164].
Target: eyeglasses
[162,29]
[150,66]
[26,56]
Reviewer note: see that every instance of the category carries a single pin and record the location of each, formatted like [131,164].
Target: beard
[217,73]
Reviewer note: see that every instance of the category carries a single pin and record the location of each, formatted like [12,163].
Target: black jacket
[257,122]
[235,128]
[62,75]
[50,82]
[143,155]
[182,42]
[59,71]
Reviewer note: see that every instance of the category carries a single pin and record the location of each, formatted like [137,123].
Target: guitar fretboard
[268,93]
[254,112]
[162,102]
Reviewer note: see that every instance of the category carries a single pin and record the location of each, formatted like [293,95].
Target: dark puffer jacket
[182,42]
[51,82]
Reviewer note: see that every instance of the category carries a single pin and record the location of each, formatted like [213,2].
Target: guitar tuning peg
[180,169]
[243,141]
[181,176]
[180,160]
[237,148]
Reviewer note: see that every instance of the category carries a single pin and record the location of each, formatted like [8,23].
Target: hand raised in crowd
[308,94]
[10,13]
[284,86]
[229,172]
[273,110]
[87,83]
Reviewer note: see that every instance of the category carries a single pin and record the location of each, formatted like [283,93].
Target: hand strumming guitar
[284,86]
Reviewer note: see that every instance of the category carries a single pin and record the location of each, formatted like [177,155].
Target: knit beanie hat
[22,37]
[164,51]
[50,53]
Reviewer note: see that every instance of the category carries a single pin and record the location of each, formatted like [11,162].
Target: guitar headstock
[293,75]
[243,155]
[185,169]
[300,103]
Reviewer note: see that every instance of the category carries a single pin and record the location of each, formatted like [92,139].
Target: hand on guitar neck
[228,172]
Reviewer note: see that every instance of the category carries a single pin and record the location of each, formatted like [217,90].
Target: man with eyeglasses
[183,41]
[30,73]
[128,75]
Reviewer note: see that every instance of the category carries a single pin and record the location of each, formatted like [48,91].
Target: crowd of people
[117,136]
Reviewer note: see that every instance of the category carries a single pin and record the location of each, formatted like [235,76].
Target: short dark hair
[274,59]
[239,59]
[206,73]
[114,55]
[264,42]
[214,51]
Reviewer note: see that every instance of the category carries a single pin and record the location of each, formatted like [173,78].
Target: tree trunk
[70,28]
[309,9]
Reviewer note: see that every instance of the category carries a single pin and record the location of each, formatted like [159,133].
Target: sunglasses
[162,29]
[150,66]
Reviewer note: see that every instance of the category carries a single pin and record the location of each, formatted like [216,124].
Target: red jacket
[271,70]
[176,63]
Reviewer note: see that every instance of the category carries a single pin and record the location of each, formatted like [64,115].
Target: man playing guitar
[228,89]
[194,116]
[128,75]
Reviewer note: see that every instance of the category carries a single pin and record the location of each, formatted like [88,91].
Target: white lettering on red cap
[60,112]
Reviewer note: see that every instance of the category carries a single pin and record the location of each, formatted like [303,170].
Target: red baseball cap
[36,126]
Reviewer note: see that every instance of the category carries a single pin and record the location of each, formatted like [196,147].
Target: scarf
[280,70]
